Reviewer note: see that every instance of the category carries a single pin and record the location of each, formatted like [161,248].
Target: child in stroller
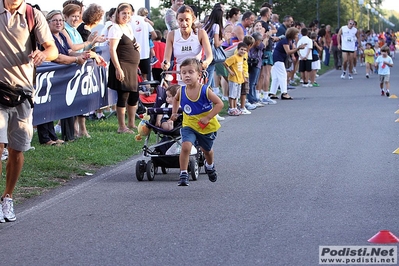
[163,120]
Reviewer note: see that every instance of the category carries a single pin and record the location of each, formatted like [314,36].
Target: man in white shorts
[347,37]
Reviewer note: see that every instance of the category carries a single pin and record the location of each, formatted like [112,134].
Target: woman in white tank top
[186,41]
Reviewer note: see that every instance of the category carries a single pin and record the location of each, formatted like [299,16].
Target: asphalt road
[318,170]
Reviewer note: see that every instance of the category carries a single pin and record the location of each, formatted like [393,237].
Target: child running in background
[235,67]
[369,59]
[384,63]
[163,120]
[392,50]
[200,106]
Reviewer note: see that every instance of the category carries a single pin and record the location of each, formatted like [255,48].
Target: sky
[390,5]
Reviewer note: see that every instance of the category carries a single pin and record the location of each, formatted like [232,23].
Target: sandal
[50,143]
[132,127]
[125,130]
[273,96]
[285,96]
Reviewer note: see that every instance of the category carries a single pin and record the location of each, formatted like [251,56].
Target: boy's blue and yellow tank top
[195,109]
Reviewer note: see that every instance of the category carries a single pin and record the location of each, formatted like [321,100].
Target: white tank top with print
[348,38]
[189,48]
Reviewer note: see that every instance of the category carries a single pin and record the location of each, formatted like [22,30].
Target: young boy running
[384,63]
[200,106]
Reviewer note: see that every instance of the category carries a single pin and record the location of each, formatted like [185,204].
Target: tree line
[333,12]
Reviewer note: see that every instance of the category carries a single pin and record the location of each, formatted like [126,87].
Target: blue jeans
[253,80]
[327,56]
[210,70]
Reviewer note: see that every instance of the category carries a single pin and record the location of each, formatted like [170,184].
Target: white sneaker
[354,71]
[244,111]
[2,220]
[267,100]
[4,156]
[8,209]
[219,118]
[350,76]
[259,104]
[343,75]
[57,128]
[225,98]
[250,106]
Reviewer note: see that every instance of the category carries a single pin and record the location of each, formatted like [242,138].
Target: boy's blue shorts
[196,138]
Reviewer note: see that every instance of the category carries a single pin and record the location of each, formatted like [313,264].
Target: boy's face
[242,51]
[189,74]
[384,53]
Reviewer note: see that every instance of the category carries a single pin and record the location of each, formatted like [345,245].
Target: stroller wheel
[140,169]
[164,170]
[150,171]
[194,169]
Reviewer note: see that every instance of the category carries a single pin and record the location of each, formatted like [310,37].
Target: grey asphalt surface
[318,170]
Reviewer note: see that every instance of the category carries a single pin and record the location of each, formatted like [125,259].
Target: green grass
[47,167]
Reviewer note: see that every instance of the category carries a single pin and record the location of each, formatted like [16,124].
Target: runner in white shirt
[347,37]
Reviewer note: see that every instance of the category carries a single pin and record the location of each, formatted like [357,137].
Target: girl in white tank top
[185,48]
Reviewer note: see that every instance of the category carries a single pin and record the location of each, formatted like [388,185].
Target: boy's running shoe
[382,93]
[212,174]
[183,182]
[387,93]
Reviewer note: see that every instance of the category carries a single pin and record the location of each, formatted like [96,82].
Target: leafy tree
[333,12]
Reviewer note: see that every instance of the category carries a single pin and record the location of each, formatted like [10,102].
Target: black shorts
[305,65]
[145,66]
[345,51]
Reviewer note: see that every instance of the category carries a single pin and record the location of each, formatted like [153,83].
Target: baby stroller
[164,154]
[148,92]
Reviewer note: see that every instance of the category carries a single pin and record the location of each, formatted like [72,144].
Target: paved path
[318,170]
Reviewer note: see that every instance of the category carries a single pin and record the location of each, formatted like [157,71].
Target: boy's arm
[217,106]
[245,66]
[231,72]
[390,63]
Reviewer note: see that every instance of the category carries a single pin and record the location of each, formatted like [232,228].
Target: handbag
[288,62]
[218,53]
[12,96]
